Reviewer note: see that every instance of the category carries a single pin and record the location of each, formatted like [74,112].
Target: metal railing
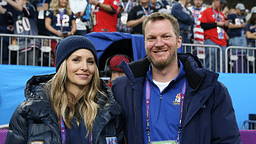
[240,59]
[248,122]
[18,46]
[232,60]
[210,55]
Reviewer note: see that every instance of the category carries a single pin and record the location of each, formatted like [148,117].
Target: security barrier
[39,51]
[211,56]
[240,59]
[27,49]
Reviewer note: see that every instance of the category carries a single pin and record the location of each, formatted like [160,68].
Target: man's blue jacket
[208,114]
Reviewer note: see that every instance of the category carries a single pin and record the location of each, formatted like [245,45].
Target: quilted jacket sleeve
[18,128]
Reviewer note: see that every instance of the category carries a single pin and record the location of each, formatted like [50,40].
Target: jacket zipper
[161,97]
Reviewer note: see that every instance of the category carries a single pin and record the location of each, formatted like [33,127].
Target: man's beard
[159,64]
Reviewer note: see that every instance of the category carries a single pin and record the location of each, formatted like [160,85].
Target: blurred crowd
[200,23]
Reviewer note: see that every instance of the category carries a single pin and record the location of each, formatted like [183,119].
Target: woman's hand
[59,33]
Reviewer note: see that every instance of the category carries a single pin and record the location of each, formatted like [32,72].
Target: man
[105,15]
[137,15]
[123,10]
[112,68]
[198,32]
[240,11]
[236,30]
[169,96]
[186,22]
[41,6]
[214,24]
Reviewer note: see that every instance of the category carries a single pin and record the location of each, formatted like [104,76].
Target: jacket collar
[192,65]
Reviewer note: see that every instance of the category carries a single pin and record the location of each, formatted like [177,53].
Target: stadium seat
[3,134]
[248,136]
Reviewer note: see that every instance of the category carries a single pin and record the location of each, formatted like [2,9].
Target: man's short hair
[162,16]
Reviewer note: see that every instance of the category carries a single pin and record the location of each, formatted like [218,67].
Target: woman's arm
[18,128]
[50,28]
[133,23]
[16,5]
[2,10]
[73,30]
[250,35]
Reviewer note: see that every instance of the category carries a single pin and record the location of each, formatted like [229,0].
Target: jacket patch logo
[177,99]
[111,140]
[37,142]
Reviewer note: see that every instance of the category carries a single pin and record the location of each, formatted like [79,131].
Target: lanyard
[146,12]
[127,5]
[61,17]
[148,94]
[217,16]
[42,2]
[63,133]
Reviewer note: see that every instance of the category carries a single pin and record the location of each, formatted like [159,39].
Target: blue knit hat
[70,44]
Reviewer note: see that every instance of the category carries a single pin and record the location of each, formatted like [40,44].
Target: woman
[60,20]
[72,106]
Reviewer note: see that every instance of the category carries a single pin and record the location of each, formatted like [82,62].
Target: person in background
[240,11]
[250,14]
[24,22]
[164,6]
[105,15]
[42,6]
[198,32]
[78,8]
[232,11]
[246,12]
[225,11]
[250,29]
[235,31]
[60,21]
[6,27]
[250,32]
[186,22]
[152,3]
[214,24]
[123,10]
[72,106]
[169,97]
[137,15]
[112,68]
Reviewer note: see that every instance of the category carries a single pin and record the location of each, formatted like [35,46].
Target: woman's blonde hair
[65,107]
[55,5]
